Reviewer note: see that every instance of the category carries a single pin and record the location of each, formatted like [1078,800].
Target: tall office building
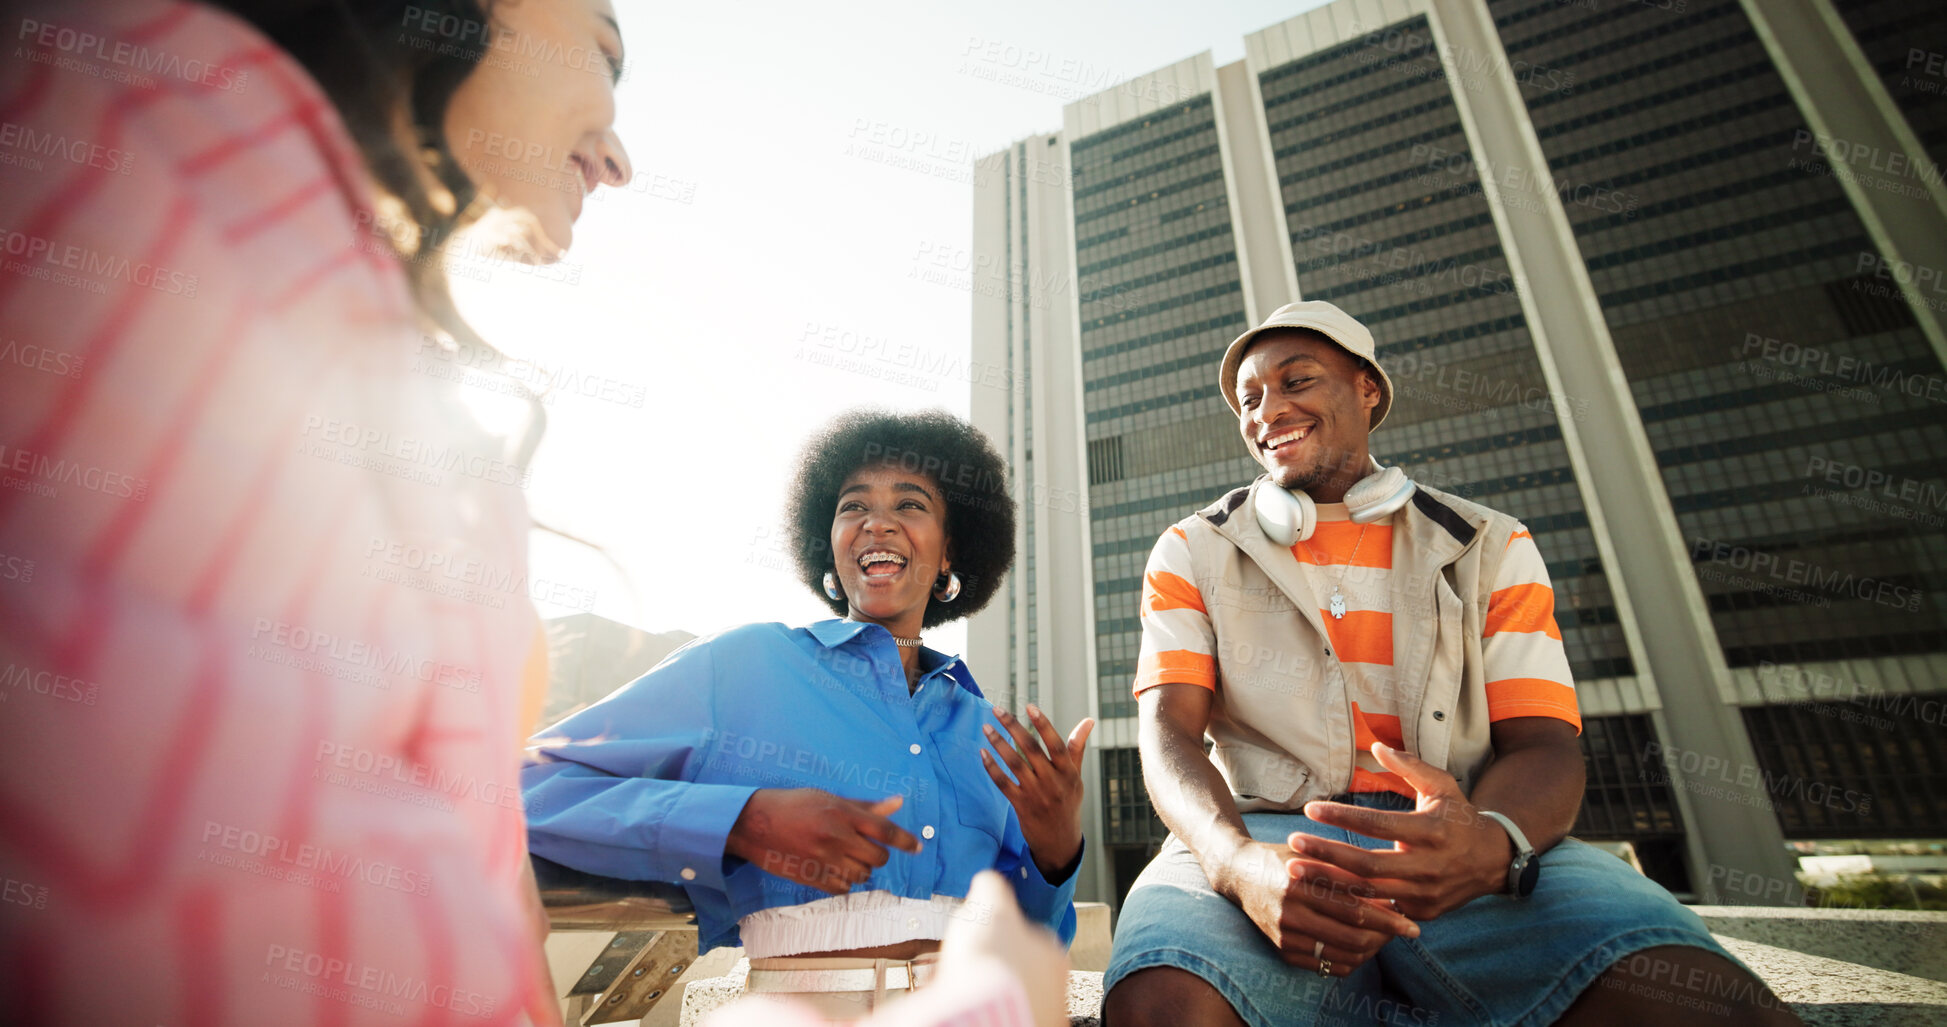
[1662,278]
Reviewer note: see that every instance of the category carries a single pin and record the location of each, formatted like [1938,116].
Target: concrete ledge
[1833,993]
[1835,967]
[1841,967]
[1090,949]
[1898,940]
[1084,998]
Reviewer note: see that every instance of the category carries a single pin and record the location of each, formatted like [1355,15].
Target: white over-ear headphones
[1289,515]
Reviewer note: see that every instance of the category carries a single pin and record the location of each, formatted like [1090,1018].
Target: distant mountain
[590,656]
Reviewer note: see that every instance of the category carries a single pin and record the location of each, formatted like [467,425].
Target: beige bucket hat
[1327,320]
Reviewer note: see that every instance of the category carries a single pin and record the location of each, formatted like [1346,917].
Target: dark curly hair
[971,476]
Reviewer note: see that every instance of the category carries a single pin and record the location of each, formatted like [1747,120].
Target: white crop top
[854,920]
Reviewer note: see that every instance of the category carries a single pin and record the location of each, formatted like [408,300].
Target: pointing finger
[1425,778]
[1411,828]
[873,824]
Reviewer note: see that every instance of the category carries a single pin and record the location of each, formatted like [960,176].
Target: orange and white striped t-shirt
[1527,668]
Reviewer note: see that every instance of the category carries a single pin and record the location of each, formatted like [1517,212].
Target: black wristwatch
[1525,869]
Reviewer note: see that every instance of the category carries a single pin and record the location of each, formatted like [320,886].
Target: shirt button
[926,832]
[1024,873]
[688,874]
[1439,714]
[914,748]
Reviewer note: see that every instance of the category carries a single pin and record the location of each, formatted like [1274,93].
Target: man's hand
[1046,790]
[814,837]
[1296,903]
[1444,854]
[1298,908]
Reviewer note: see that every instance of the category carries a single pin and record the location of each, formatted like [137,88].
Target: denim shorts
[1496,960]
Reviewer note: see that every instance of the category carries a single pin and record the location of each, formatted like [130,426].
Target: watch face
[1529,875]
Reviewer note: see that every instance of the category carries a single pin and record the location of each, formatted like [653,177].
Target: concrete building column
[1855,122]
[1024,210]
[1732,826]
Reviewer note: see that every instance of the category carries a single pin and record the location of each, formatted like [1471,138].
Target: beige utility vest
[1281,722]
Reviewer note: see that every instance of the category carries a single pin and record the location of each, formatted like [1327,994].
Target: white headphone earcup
[1376,497]
[1286,515]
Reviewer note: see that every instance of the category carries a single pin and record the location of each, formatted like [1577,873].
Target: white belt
[864,975]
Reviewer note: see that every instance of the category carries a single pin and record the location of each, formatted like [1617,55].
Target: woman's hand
[1027,952]
[814,837]
[1046,790]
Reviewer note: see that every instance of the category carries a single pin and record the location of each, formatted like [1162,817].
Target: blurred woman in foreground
[264,624]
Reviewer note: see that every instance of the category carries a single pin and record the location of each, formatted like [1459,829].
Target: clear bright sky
[793,163]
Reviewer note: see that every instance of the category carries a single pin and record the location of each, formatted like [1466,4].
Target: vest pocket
[1256,772]
[1288,667]
[1265,599]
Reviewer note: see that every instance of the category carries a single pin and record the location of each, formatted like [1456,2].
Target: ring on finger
[1318,948]
[1324,968]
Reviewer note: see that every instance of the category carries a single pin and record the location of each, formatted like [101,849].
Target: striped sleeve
[1178,643]
[1527,668]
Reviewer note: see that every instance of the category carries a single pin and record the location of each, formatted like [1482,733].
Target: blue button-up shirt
[647,783]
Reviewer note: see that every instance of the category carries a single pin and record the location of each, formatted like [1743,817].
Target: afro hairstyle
[970,474]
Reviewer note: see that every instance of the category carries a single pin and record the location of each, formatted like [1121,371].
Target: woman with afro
[826,793]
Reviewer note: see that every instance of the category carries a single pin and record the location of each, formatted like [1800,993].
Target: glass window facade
[1783,385]
[1872,766]
[1628,797]
[1388,220]
[1130,826]
[1160,297]
[1906,43]
[1024,468]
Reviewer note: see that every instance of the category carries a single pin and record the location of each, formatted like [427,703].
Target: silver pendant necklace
[1335,604]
